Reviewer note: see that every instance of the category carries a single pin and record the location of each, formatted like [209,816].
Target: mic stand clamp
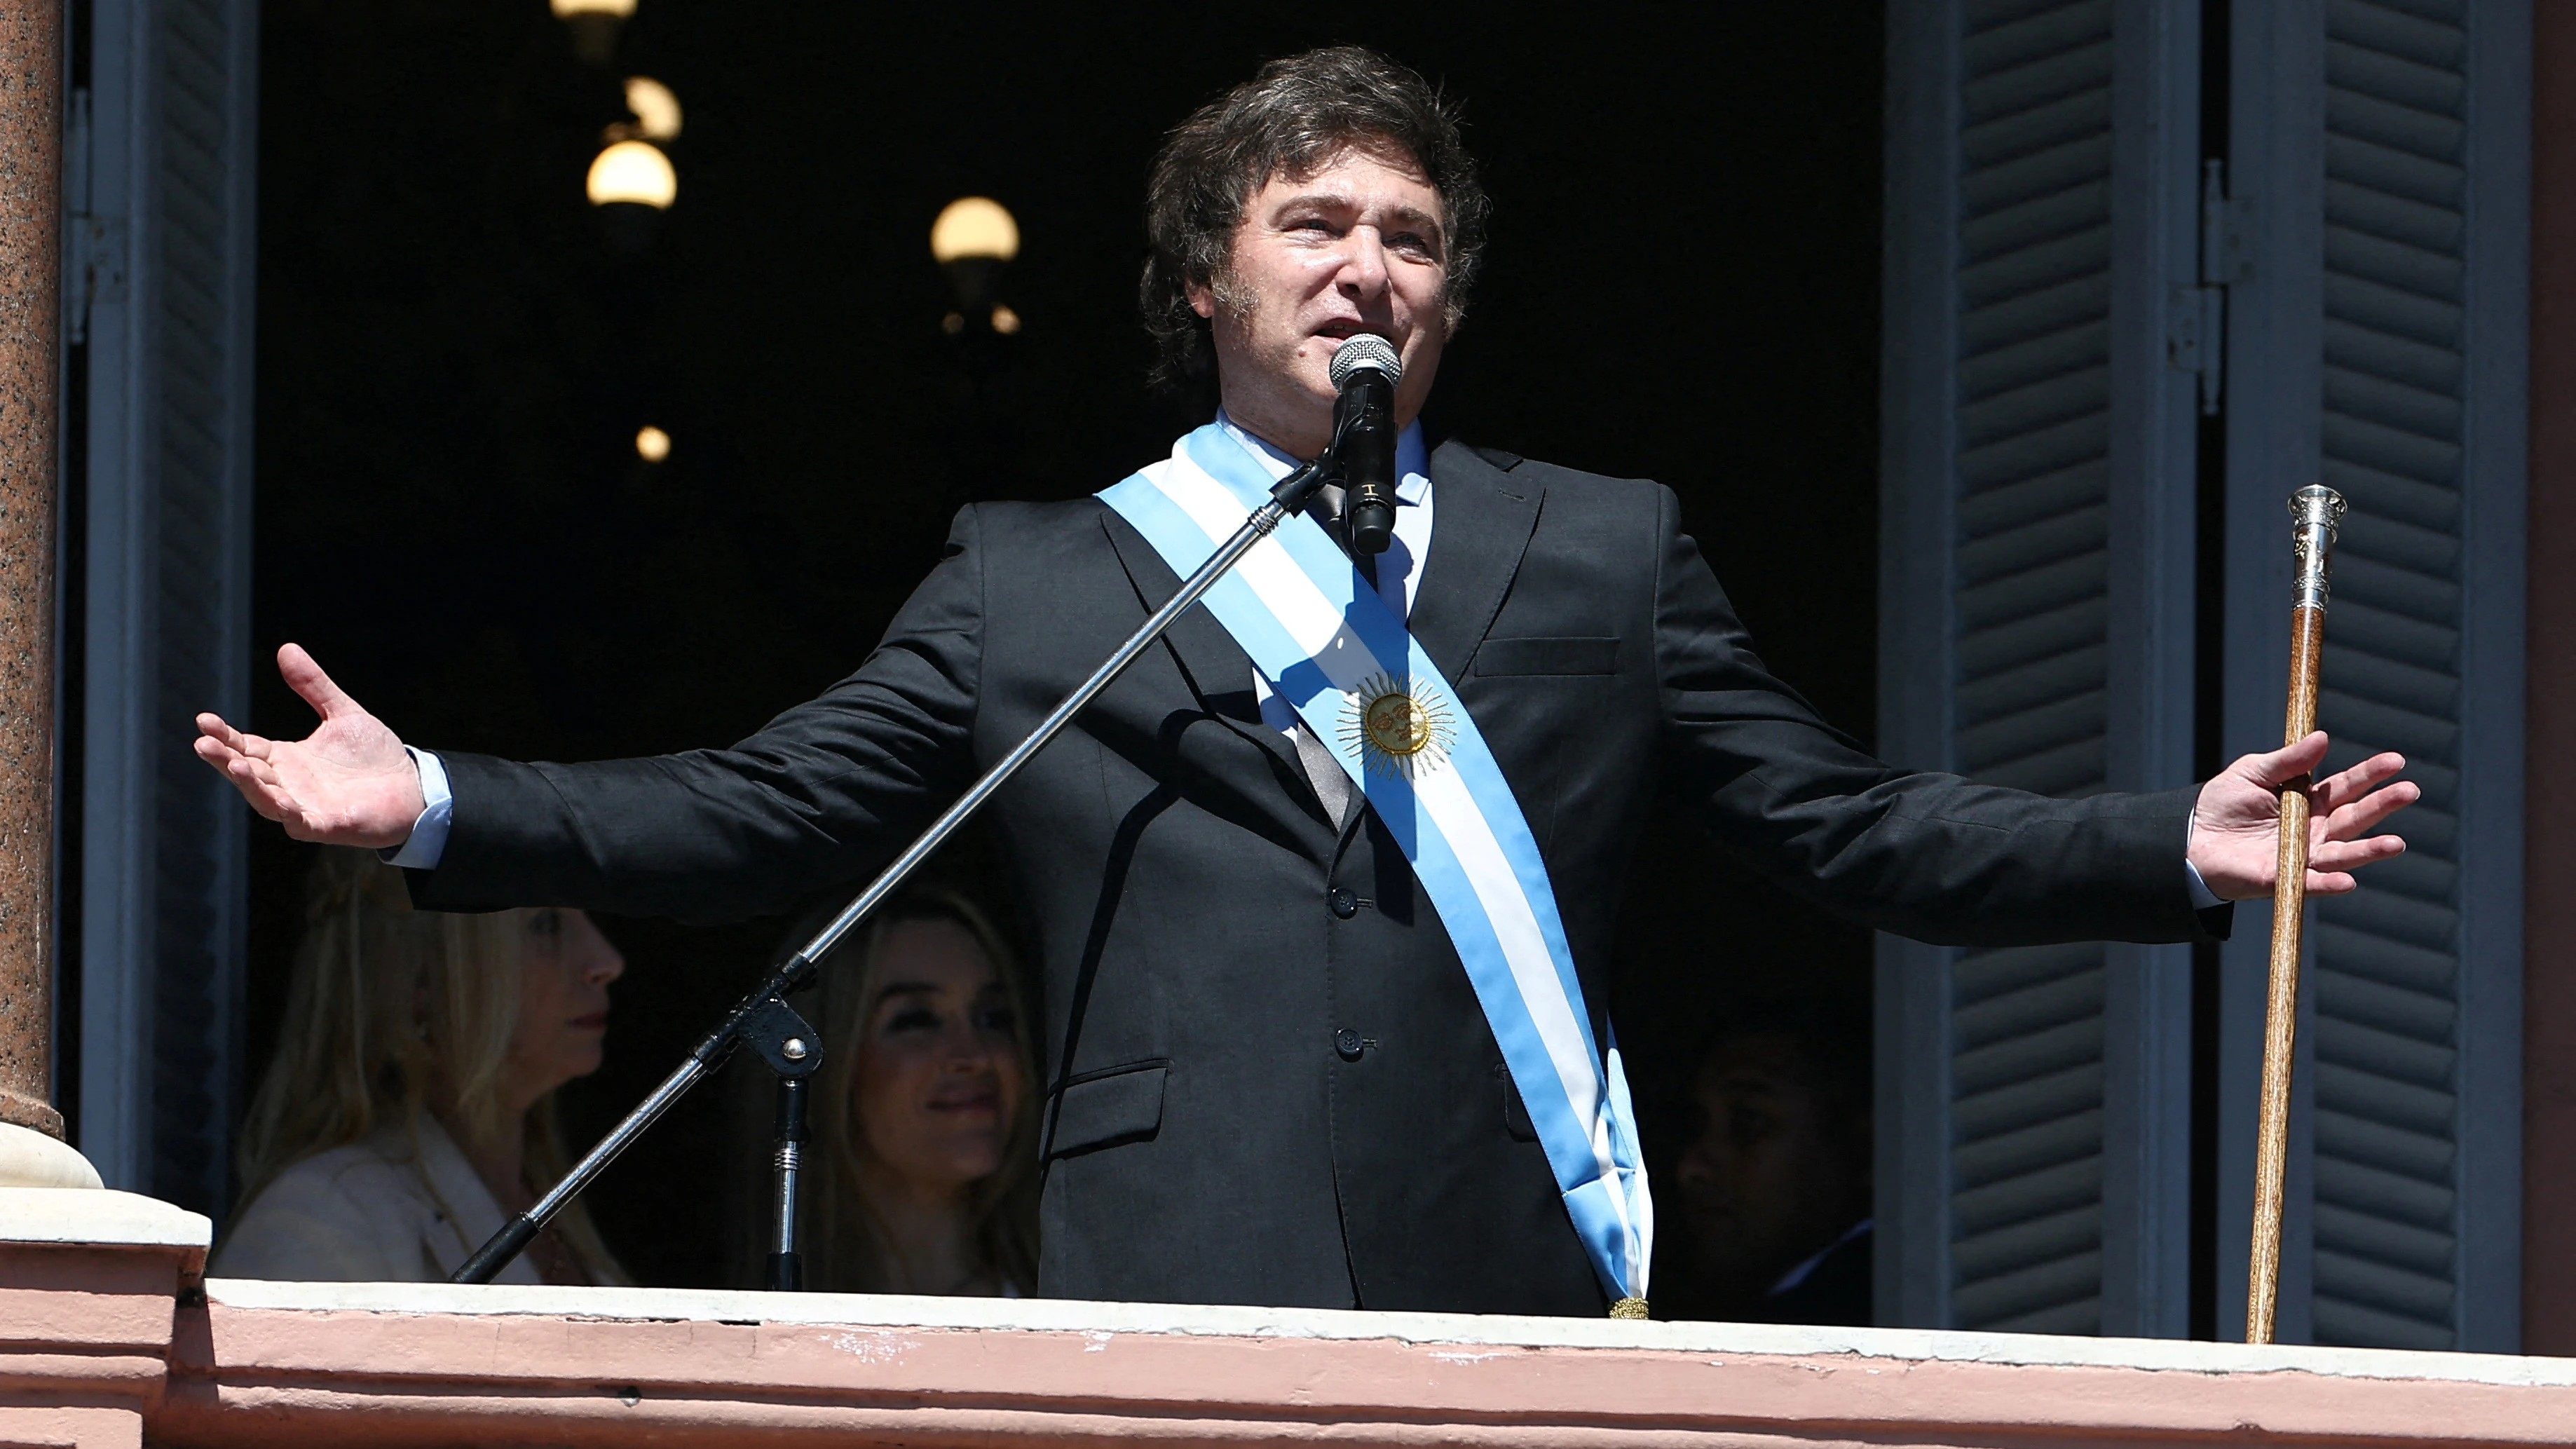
[1291,495]
[793,1050]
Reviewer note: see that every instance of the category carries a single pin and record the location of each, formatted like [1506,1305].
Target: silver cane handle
[2317,512]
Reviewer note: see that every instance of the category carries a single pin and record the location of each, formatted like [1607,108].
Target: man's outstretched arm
[813,799]
[350,782]
[1948,860]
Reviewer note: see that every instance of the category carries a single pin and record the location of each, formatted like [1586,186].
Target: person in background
[1776,1188]
[410,1105]
[924,1119]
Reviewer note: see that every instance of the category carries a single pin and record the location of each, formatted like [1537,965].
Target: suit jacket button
[1344,904]
[1348,1043]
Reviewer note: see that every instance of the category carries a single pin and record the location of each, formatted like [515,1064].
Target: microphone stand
[784,1040]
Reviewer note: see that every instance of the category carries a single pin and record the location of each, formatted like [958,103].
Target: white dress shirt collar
[1399,569]
[1412,461]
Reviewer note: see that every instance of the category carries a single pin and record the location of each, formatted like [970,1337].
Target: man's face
[1357,246]
[1773,1176]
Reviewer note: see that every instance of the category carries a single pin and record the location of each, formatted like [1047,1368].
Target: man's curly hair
[1293,117]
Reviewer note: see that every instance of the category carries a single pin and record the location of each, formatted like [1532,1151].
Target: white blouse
[404,1206]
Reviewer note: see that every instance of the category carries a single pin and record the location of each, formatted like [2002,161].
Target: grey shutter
[2382,148]
[163,143]
[2036,630]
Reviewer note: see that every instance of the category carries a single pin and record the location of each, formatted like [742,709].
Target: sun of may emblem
[1397,728]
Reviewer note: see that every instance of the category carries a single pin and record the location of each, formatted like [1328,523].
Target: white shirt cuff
[2202,897]
[428,839]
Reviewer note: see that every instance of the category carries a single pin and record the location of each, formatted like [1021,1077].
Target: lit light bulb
[1005,321]
[976,227]
[652,444]
[633,171]
[567,9]
[657,111]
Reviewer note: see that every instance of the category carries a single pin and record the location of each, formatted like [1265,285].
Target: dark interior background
[454,360]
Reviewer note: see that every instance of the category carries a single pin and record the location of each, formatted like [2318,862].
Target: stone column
[31,1130]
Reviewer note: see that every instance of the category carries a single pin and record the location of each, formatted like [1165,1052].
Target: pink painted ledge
[256,1363]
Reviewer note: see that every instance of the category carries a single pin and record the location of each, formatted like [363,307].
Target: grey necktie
[1332,786]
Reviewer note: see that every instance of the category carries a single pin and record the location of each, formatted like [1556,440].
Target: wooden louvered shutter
[2380,149]
[2036,604]
[160,308]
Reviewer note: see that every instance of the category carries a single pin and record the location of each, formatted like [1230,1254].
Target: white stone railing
[107,1335]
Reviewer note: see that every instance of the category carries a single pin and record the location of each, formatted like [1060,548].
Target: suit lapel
[1481,525]
[1214,667]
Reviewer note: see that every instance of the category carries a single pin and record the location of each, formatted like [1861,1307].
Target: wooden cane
[2318,512]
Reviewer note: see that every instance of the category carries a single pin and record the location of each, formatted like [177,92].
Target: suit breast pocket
[1561,656]
[1104,1108]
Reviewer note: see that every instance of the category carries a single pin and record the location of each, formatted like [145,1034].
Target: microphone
[1366,370]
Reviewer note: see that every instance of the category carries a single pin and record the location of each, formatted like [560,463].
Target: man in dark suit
[1269,1079]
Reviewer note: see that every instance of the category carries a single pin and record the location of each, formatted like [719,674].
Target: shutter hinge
[93,246]
[2195,338]
[96,270]
[2196,324]
[2224,220]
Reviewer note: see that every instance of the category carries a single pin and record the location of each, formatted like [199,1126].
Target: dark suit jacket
[1835,1291]
[1208,1139]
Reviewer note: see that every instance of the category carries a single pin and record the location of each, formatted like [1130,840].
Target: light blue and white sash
[1333,649]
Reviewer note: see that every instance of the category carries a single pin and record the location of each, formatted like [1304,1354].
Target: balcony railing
[109,1336]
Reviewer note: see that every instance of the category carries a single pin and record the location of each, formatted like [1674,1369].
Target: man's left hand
[2235,826]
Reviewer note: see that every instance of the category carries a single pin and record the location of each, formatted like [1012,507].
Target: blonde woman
[410,1106]
[924,1117]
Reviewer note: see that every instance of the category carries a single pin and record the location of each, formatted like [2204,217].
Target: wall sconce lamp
[657,112]
[972,240]
[632,184]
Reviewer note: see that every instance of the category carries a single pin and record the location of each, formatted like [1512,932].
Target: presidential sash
[1331,647]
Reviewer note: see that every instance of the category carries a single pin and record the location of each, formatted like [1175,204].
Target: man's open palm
[350,782]
[2235,835]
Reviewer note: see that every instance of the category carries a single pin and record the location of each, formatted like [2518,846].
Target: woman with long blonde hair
[924,1117]
[410,1106]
